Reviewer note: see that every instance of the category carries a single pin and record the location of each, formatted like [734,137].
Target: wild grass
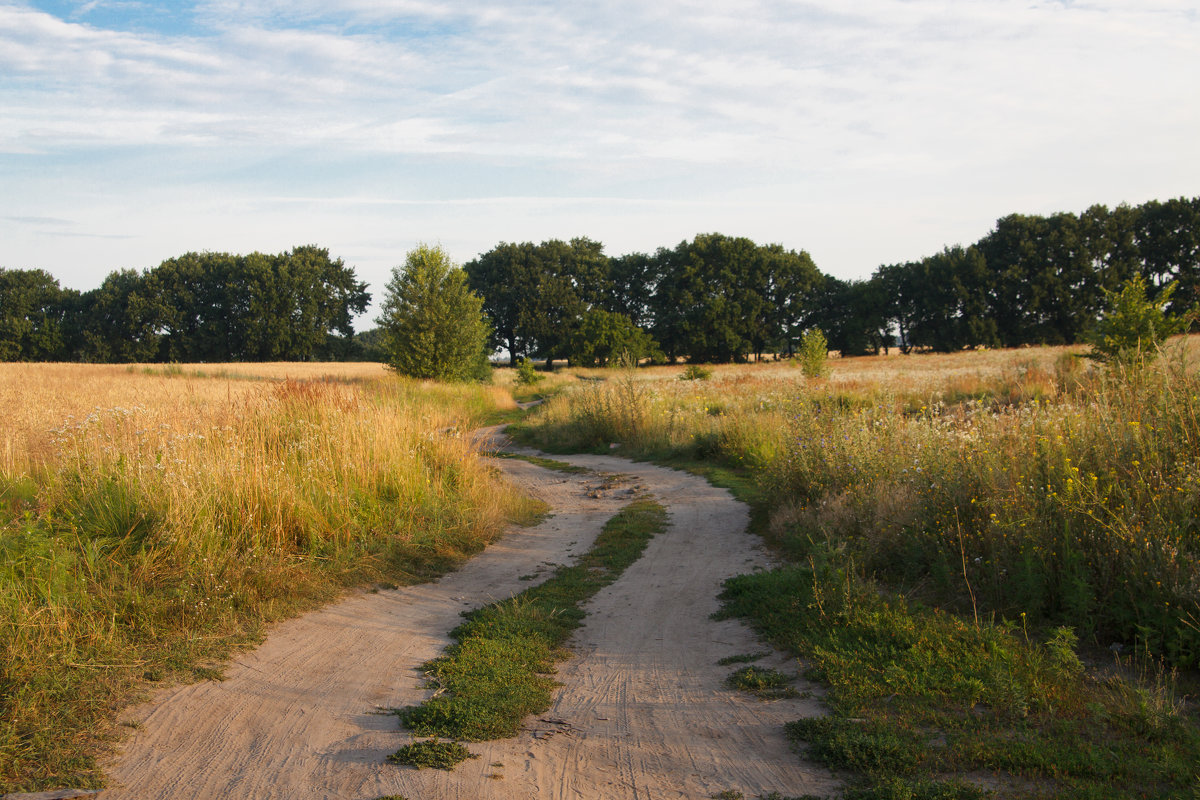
[919,697]
[1050,489]
[151,522]
[958,524]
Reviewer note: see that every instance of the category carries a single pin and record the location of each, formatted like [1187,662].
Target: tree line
[717,298]
[292,306]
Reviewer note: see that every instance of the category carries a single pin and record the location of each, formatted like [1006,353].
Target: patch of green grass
[432,753]
[741,658]
[545,463]
[917,694]
[769,684]
[496,673]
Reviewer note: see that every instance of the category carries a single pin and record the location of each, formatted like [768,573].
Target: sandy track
[641,713]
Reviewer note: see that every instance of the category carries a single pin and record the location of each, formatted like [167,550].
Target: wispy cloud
[818,107]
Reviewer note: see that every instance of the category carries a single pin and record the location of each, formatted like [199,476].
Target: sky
[866,133]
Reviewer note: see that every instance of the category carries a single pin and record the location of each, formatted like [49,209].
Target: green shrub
[527,374]
[431,753]
[1133,328]
[814,354]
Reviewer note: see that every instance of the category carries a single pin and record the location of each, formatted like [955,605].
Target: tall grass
[141,537]
[1042,490]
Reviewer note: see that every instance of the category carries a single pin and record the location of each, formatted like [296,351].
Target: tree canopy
[292,306]
[1030,280]
[433,324]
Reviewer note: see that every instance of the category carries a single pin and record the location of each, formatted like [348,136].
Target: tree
[434,326]
[32,313]
[603,337]
[121,320]
[1133,328]
[256,307]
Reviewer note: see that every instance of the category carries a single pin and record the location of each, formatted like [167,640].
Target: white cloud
[921,120]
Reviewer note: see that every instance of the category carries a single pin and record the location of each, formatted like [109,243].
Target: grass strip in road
[544,463]
[497,671]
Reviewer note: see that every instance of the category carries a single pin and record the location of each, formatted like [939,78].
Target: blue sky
[866,133]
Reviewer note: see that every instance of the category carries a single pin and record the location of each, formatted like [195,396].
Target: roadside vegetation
[992,558]
[498,670]
[154,519]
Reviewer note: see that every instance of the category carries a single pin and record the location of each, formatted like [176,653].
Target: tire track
[642,713]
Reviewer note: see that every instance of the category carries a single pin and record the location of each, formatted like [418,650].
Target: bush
[814,354]
[1134,327]
[527,374]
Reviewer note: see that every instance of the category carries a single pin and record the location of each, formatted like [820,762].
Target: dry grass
[1024,481]
[152,517]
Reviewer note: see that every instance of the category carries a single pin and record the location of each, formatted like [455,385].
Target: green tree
[603,337]
[814,354]
[1132,329]
[434,326]
[33,311]
[257,307]
[121,321]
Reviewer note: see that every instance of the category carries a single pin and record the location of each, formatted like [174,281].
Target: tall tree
[122,320]
[433,324]
[1167,236]
[33,310]
[507,278]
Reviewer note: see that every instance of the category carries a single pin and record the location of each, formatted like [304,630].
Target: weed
[547,463]
[695,372]
[431,753]
[768,684]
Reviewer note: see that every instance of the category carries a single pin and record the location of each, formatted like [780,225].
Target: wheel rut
[642,711]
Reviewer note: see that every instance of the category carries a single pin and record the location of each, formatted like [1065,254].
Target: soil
[642,711]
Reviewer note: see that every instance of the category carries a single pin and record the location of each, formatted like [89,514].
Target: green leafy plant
[432,753]
[695,372]
[527,374]
[1134,327]
[814,354]
[741,658]
[761,682]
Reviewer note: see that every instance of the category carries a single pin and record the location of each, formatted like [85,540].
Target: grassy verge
[146,539]
[917,696]
[497,671]
[948,544]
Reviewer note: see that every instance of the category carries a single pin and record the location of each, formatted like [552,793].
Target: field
[987,549]
[153,518]
[990,559]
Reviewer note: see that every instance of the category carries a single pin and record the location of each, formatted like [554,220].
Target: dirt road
[642,712]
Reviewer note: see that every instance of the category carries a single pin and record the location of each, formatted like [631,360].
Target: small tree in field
[1133,328]
[433,323]
[814,352]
